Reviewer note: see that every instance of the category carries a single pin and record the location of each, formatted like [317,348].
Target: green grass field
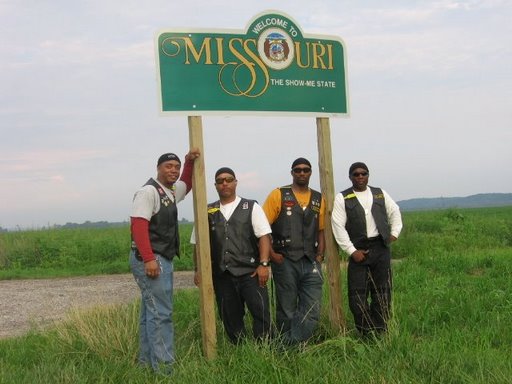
[452,316]
[75,252]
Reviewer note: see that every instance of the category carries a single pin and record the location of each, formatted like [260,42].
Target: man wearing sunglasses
[296,214]
[365,221]
[240,250]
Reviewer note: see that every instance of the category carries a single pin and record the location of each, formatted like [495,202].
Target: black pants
[232,294]
[371,279]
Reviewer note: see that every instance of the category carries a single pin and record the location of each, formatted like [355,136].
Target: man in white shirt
[365,221]
[240,252]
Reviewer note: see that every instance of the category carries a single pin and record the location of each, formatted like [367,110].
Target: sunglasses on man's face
[357,174]
[221,180]
[301,170]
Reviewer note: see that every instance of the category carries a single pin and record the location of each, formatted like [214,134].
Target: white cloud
[39,161]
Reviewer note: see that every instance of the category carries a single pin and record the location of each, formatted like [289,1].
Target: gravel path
[28,304]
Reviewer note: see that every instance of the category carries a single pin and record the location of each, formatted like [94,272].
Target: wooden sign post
[204,267]
[331,250]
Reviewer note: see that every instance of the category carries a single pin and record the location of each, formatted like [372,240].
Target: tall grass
[452,323]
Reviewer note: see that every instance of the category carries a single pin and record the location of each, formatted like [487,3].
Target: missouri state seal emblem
[276,48]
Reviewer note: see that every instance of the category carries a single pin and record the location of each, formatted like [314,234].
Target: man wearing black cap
[296,214]
[365,221]
[155,242]
[240,249]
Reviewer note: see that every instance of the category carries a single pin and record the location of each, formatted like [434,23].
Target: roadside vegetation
[75,252]
[452,319]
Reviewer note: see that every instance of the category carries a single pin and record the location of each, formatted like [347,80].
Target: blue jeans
[298,298]
[156,323]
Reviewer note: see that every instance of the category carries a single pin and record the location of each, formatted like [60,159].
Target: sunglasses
[301,170]
[357,174]
[221,180]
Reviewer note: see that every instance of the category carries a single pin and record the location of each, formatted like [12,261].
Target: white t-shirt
[260,224]
[146,201]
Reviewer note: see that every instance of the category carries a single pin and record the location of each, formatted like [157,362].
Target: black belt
[369,241]
[139,257]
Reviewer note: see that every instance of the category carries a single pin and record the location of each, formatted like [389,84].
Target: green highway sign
[270,68]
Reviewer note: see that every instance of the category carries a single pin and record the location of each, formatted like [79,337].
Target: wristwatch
[265,263]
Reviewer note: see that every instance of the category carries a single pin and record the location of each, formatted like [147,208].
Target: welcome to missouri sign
[270,68]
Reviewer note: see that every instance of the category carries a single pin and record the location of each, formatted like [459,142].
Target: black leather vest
[295,232]
[234,247]
[356,220]
[163,226]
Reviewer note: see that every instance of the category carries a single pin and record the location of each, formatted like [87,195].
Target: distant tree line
[86,224]
[92,224]
[474,201]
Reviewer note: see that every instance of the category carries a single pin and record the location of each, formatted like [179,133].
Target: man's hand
[192,154]
[152,269]
[263,274]
[276,257]
[359,255]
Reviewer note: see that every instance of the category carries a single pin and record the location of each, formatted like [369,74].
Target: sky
[429,86]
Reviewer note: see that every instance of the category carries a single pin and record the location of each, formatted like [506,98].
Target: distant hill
[474,201]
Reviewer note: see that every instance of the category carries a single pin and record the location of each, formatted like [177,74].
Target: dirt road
[26,304]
